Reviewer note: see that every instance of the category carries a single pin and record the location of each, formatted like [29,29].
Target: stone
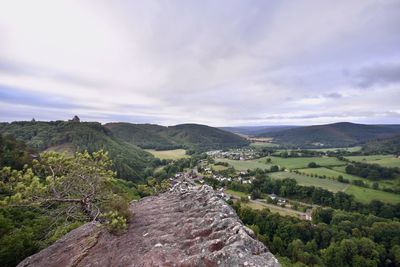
[182,227]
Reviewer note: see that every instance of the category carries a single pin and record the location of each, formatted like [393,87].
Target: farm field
[327,184]
[361,194]
[218,167]
[289,163]
[382,183]
[383,160]
[332,173]
[168,154]
[365,195]
[350,149]
[263,144]
[258,205]
[298,163]
[243,165]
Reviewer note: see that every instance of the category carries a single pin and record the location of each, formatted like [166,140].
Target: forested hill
[129,161]
[333,135]
[190,136]
[385,146]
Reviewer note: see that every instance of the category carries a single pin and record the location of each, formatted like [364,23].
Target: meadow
[383,160]
[365,195]
[350,149]
[288,163]
[328,184]
[331,173]
[168,154]
[263,144]
[361,194]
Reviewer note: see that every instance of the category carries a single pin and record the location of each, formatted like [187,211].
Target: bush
[114,222]
[313,165]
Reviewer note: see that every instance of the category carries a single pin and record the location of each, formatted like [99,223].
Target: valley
[265,181]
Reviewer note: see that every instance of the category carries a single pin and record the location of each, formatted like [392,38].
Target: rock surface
[188,226]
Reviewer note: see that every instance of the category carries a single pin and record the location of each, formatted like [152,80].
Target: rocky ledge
[188,226]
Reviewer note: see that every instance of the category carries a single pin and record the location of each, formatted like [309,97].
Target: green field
[350,149]
[289,163]
[383,160]
[327,184]
[365,195]
[260,206]
[263,144]
[331,173]
[218,167]
[243,165]
[235,193]
[168,154]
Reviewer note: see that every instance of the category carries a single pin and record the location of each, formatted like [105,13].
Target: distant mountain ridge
[339,134]
[190,136]
[257,130]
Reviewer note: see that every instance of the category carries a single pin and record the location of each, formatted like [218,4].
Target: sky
[221,63]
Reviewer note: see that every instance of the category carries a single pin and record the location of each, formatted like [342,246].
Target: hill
[129,161]
[340,134]
[14,153]
[147,136]
[383,146]
[190,136]
[256,130]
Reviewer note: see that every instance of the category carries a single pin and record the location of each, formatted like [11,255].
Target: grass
[383,160]
[365,195]
[263,144]
[331,173]
[260,206]
[304,180]
[235,193]
[281,211]
[218,167]
[289,163]
[350,149]
[168,154]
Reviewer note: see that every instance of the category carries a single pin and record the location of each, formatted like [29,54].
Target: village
[271,201]
[235,154]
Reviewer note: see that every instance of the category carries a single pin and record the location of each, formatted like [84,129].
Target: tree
[322,215]
[274,168]
[313,165]
[80,186]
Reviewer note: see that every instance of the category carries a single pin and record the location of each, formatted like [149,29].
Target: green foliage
[14,153]
[59,193]
[383,146]
[114,222]
[129,161]
[372,172]
[348,239]
[313,165]
[194,137]
[331,135]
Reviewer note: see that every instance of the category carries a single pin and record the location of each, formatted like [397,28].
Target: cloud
[378,74]
[212,62]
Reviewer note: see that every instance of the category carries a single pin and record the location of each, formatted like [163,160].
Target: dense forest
[129,161]
[383,146]
[332,135]
[195,137]
[334,238]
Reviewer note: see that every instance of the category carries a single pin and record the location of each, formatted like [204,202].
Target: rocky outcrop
[188,226]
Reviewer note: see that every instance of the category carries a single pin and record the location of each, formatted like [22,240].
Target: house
[273,196]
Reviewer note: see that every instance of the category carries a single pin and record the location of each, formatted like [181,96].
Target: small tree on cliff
[79,187]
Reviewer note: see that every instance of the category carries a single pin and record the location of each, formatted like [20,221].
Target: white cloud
[213,62]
